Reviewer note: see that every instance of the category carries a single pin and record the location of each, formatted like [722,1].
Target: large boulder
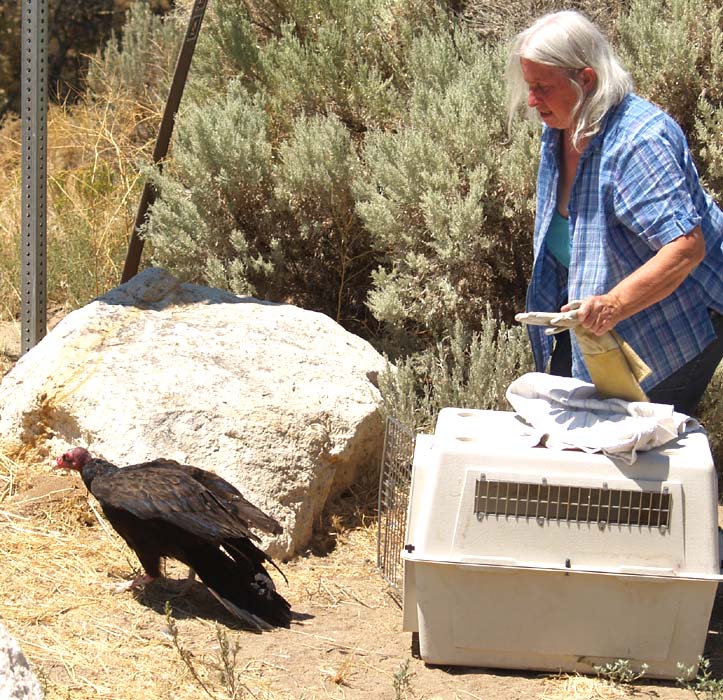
[17,681]
[280,401]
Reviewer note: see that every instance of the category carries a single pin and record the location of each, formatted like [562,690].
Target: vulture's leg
[173,587]
[190,580]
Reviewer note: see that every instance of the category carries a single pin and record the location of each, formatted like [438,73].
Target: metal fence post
[33,219]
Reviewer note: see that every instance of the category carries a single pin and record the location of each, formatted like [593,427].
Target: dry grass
[576,687]
[9,345]
[85,641]
[8,469]
[94,184]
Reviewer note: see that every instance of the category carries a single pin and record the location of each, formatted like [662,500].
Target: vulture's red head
[75,458]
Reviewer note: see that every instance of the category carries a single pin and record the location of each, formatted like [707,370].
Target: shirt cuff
[674,226]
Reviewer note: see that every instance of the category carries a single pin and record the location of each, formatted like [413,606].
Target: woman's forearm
[653,281]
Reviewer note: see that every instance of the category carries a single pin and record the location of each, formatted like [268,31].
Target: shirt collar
[551,137]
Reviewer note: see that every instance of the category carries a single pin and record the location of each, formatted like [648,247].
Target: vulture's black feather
[166,509]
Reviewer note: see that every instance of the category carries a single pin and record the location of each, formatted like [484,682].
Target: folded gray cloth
[565,413]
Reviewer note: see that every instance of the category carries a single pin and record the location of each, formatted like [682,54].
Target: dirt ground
[85,641]
[60,562]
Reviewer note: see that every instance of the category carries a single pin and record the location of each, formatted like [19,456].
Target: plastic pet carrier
[525,557]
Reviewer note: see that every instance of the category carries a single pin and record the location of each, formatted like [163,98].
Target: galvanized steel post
[33,220]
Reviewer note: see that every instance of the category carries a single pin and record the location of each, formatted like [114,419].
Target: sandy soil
[85,641]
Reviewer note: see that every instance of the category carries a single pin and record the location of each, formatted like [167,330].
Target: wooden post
[183,63]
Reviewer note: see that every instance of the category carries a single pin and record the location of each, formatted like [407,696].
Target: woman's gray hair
[570,41]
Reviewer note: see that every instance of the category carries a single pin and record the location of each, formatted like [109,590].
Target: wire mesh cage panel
[394,484]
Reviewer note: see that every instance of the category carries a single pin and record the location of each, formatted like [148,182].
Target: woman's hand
[598,314]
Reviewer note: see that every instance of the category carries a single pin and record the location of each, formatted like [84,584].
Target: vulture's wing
[227,493]
[151,492]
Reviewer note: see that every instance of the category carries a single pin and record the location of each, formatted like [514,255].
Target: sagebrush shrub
[674,51]
[709,134]
[328,77]
[437,195]
[463,369]
[315,56]
[326,247]
[137,63]
[711,415]
[214,194]
[495,21]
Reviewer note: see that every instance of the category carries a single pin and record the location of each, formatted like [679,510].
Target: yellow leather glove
[615,368]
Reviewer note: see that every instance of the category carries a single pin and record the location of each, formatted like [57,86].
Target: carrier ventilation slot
[576,504]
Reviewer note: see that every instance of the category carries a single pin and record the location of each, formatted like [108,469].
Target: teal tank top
[557,239]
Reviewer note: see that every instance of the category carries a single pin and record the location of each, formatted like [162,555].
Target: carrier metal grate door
[394,486]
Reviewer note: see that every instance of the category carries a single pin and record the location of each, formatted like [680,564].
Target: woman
[622,222]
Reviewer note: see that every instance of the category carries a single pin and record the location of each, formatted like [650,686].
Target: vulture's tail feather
[248,551]
[250,620]
[241,585]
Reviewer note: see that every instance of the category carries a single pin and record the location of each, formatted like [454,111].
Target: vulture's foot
[137,582]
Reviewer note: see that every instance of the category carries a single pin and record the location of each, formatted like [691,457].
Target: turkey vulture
[166,509]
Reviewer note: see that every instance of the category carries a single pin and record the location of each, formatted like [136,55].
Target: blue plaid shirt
[636,189]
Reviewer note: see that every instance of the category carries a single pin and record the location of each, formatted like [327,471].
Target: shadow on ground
[192,600]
